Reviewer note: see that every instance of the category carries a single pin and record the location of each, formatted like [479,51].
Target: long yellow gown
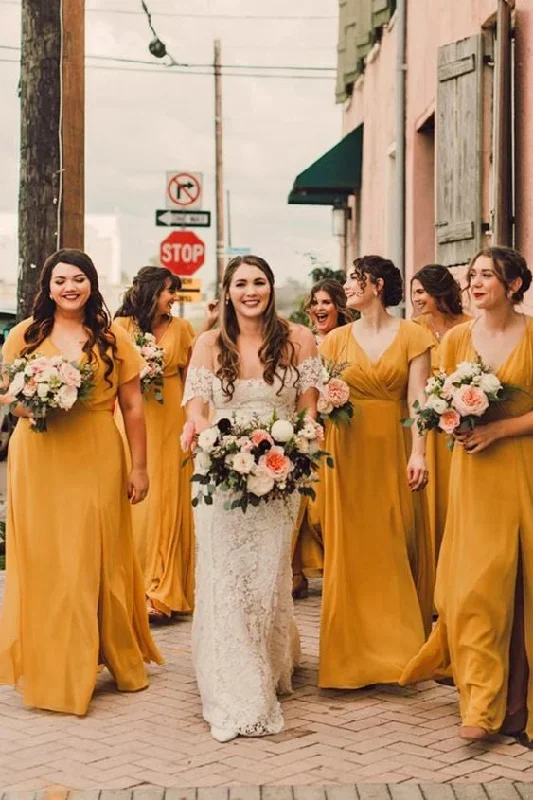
[378,567]
[74,592]
[163,527]
[438,454]
[490,521]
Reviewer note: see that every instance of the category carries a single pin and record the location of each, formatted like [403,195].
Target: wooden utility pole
[51,187]
[219,174]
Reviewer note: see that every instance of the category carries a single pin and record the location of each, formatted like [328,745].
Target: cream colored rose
[282,430]
[260,483]
[207,439]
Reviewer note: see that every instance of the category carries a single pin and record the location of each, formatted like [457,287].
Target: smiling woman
[74,595]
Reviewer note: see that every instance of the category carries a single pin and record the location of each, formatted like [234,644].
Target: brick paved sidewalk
[157,738]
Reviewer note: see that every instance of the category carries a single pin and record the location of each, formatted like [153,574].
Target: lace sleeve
[199,383]
[311,374]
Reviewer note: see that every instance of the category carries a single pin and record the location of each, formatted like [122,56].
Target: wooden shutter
[381,12]
[458,151]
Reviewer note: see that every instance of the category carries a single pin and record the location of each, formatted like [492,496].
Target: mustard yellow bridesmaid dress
[74,594]
[163,527]
[438,454]
[377,589]
[489,526]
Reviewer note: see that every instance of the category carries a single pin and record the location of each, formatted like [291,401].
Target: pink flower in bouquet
[259,436]
[70,374]
[449,421]
[66,397]
[276,464]
[470,400]
[323,405]
[337,392]
[447,389]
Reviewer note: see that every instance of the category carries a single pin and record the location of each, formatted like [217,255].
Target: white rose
[202,463]
[282,430]
[259,483]
[302,444]
[207,439]
[42,390]
[17,384]
[437,404]
[243,463]
[309,431]
[490,383]
[464,370]
[66,397]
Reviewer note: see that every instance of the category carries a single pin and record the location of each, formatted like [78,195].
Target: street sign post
[237,251]
[182,219]
[182,252]
[184,190]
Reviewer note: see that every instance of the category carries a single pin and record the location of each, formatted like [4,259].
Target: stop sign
[182,252]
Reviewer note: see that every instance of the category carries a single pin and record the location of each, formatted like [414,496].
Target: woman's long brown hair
[140,300]
[97,320]
[277,352]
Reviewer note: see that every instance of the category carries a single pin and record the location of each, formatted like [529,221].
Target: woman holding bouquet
[326,306]
[484,582]
[244,636]
[377,591]
[163,524]
[437,303]
[74,593]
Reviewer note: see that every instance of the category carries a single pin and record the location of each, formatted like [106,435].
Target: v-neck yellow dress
[490,520]
[378,577]
[438,454]
[74,594]
[163,527]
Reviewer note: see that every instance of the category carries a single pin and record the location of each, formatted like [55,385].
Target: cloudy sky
[143,120]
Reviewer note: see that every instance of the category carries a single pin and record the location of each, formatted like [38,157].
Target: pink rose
[323,405]
[276,464]
[337,392]
[470,400]
[70,374]
[261,435]
[447,389]
[449,421]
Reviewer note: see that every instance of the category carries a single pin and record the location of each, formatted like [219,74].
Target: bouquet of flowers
[41,383]
[458,401]
[334,394]
[259,460]
[152,372]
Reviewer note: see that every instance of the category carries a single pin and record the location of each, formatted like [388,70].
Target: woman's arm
[419,371]
[483,436]
[198,387]
[309,365]
[131,406]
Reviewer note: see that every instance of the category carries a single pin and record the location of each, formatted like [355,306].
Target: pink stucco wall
[430,25]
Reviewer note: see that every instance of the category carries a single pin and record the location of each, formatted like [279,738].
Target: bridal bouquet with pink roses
[334,394]
[458,401]
[42,383]
[258,461]
[154,357]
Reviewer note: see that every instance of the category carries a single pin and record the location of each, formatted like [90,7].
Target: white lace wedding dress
[244,638]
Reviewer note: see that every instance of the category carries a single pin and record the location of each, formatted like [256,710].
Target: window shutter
[381,12]
[458,151]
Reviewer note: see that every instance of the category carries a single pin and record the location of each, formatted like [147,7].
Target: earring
[375,294]
[227,300]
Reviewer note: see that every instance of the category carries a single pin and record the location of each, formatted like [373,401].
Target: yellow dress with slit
[378,570]
[438,454]
[489,523]
[74,594]
[163,527]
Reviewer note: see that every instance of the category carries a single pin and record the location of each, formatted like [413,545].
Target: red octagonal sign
[182,252]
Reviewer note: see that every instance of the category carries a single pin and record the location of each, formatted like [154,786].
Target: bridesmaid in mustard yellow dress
[74,595]
[326,306]
[377,591]
[163,524]
[484,592]
[436,298]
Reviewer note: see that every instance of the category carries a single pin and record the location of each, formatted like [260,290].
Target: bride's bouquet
[334,394]
[258,461]
[458,401]
[42,383]
[154,356]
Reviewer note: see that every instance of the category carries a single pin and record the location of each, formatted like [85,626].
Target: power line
[259,17]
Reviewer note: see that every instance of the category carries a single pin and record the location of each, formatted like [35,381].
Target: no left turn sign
[184,190]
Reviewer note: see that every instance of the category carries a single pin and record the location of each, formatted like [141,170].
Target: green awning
[334,176]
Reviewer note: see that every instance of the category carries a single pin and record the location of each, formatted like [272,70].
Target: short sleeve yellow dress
[163,527]
[74,594]
[438,454]
[489,526]
[378,577]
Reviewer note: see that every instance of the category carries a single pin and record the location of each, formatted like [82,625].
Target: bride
[244,638]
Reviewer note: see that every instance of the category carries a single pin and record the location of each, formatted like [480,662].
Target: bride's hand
[190,433]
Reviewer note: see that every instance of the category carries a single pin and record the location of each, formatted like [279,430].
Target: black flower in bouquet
[225,427]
